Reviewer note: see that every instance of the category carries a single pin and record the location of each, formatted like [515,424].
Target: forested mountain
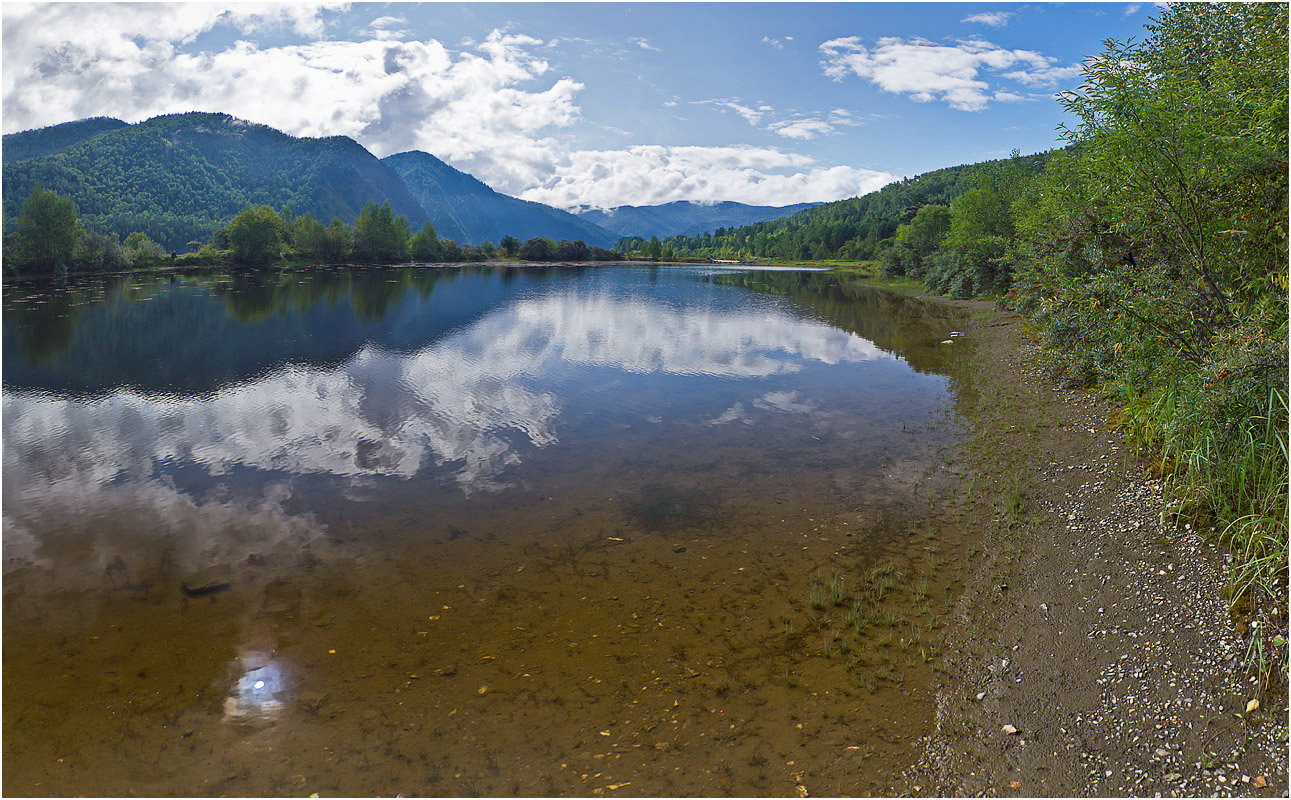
[47,141]
[847,229]
[684,218]
[180,177]
[465,209]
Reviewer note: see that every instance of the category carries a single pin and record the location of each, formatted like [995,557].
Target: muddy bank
[1091,652]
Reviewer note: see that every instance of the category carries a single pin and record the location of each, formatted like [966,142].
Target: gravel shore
[1092,652]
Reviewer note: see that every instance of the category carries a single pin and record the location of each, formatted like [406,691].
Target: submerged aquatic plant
[817,596]
[837,590]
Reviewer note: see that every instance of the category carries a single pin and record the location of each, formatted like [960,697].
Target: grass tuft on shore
[1226,468]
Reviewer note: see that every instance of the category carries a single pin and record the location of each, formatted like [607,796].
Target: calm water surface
[477,531]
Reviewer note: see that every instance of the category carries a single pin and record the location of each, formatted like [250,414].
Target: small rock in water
[210,580]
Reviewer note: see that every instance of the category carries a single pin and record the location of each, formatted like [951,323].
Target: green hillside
[848,229]
[47,141]
[180,177]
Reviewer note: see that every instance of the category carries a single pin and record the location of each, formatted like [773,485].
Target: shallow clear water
[450,531]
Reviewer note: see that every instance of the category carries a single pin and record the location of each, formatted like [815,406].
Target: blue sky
[592,104]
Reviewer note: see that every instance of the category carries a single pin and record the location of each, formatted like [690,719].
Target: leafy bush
[207,256]
[1155,259]
[99,251]
[142,251]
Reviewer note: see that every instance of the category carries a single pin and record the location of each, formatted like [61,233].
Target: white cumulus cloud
[926,71]
[65,61]
[650,174]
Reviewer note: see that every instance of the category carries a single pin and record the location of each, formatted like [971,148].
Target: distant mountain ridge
[684,218]
[181,177]
[462,207]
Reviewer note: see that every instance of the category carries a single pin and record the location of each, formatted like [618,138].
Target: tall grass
[1225,461]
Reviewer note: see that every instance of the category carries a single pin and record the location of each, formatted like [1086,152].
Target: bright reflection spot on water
[260,693]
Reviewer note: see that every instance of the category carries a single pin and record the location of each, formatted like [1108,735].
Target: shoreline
[173,269]
[1091,651]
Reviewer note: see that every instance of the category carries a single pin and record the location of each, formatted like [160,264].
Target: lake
[475,531]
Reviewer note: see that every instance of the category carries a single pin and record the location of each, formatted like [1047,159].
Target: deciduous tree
[48,231]
[425,244]
[380,235]
[255,236]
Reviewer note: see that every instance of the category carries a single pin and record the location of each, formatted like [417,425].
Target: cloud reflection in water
[471,404]
[383,413]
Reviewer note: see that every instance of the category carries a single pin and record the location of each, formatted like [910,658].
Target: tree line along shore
[50,240]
